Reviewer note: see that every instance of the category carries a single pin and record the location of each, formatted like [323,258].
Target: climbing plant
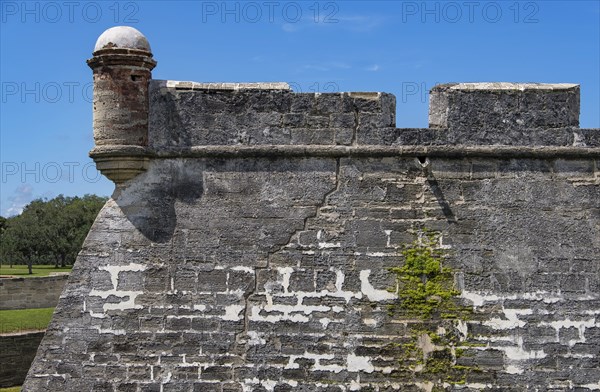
[429,306]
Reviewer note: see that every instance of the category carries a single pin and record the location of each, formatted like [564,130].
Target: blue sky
[402,47]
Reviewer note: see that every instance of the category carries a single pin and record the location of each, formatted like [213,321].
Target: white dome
[123,37]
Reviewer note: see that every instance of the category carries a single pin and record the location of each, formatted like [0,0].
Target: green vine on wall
[435,320]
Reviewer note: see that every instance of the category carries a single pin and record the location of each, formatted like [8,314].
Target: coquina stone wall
[252,249]
[28,293]
[17,351]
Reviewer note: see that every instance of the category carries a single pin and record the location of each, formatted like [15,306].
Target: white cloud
[22,196]
[340,65]
[316,67]
[290,27]
[356,23]
[361,23]
[373,68]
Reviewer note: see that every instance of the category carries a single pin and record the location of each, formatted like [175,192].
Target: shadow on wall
[149,200]
[232,195]
[435,188]
[167,118]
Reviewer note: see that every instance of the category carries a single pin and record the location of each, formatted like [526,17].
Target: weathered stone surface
[272,274]
[254,252]
[261,114]
[122,37]
[22,293]
[17,351]
[488,107]
[122,66]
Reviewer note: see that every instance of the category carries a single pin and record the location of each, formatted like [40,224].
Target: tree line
[48,231]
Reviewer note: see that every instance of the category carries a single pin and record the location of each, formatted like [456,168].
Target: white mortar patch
[371,292]
[567,323]
[243,269]
[232,312]
[254,339]
[512,320]
[519,353]
[295,313]
[510,369]
[359,364]
[355,384]
[286,273]
[114,271]
[317,366]
[480,298]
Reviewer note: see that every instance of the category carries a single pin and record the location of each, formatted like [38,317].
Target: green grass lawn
[21,271]
[24,319]
[11,389]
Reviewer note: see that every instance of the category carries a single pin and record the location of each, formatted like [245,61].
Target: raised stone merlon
[472,106]
[224,86]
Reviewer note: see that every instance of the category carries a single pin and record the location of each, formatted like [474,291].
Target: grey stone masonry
[30,293]
[504,106]
[253,252]
[17,351]
[192,114]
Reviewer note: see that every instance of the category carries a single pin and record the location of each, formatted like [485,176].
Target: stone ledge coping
[181,85]
[504,86]
[7,277]
[23,333]
[348,151]
[260,86]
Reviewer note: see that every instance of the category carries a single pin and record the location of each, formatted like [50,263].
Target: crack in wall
[242,337]
[318,208]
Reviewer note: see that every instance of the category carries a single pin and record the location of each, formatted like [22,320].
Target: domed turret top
[122,37]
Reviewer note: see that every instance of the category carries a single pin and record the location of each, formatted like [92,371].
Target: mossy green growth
[425,286]
[435,319]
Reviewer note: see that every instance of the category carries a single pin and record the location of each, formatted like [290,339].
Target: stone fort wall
[249,241]
[17,351]
[23,293]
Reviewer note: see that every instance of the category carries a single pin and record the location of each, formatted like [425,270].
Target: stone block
[502,106]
